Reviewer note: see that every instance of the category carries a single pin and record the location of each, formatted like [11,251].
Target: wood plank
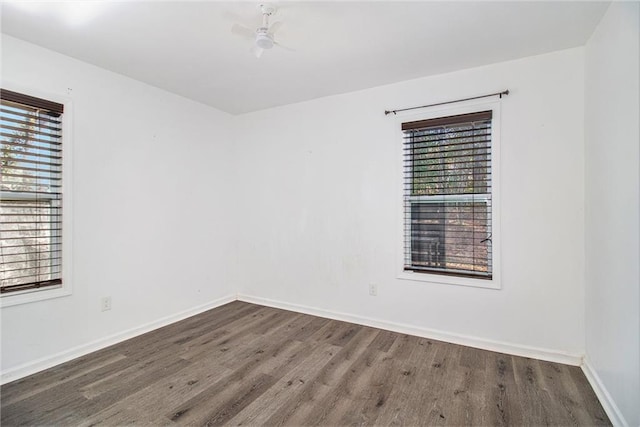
[104,397]
[587,400]
[221,401]
[263,366]
[502,401]
[157,397]
[332,407]
[385,400]
[538,409]
[177,334]
[233,332]
[42,381]
[41,411]
[308,329]
[332,373]
[233,401]
[384,340]
[296,410]
[421,391]
[467,403]
[287,388]
[557,382]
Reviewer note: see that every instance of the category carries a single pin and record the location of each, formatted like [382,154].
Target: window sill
[33,295]
[449,280]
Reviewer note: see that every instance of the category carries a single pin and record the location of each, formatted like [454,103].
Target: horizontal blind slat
[31,101]
[32,169]
[34,285]
[40,133]
[36,153]
[27,114]
[31,122]
[42,256]
[33,147]
[448,120]
[10,137]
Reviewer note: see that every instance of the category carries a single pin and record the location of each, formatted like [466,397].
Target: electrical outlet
[105,303]
[373,289]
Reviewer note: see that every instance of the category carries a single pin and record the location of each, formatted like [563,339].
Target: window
[30,193]
[448,226]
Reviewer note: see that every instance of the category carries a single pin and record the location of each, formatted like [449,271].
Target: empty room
[320,213]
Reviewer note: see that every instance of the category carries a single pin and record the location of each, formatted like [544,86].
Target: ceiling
[187,47]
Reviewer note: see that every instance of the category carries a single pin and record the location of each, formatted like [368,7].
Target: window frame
[65,289]
[450,279]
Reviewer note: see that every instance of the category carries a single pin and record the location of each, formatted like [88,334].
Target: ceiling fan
[263,36]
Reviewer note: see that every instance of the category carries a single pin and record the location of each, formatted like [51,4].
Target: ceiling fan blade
[243,31]
[283,46]
[257,51]
[275,27]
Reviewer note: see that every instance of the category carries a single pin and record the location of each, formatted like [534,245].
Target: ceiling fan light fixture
[264,41]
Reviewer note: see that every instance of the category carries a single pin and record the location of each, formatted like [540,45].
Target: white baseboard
[65,356]
[607,402]
[501,347]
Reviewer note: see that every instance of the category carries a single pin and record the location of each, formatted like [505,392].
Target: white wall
[612,180]
[319,183]
[151,213]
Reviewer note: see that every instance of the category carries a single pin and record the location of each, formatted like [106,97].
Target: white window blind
[30,192]
[447,195]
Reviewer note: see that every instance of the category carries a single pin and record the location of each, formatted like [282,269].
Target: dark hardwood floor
[244,364]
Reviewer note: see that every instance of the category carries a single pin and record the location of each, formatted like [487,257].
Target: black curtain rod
[504,92]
